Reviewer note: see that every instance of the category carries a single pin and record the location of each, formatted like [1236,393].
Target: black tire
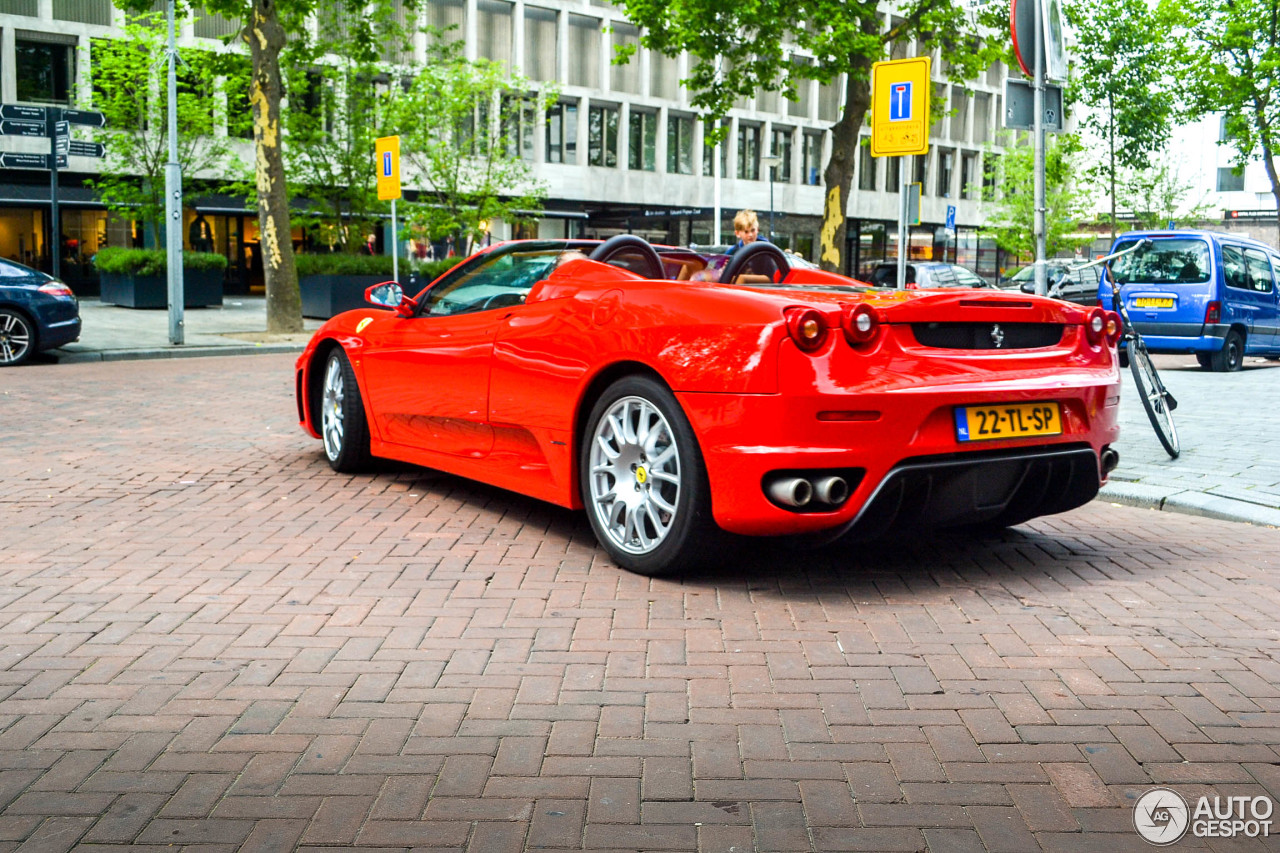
[1230,358]
[18,340]
[1123,358]
[1205,360]
[1154,400]
[342,424]
[638,438]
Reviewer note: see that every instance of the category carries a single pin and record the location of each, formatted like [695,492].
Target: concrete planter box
[200,289]
[323,296]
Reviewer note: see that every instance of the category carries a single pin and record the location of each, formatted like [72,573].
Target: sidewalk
[112,333]
[1229,468]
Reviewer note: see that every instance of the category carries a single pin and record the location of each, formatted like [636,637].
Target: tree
[741,48]
[1232,66]
[1122,70]
[1158,195]
[1011,211]
[463,126]
[128,89]
[268,27]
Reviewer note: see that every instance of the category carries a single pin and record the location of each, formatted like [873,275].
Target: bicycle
[1156,399]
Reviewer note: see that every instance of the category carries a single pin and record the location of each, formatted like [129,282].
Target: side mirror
[385,295]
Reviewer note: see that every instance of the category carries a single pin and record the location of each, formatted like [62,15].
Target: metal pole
[903,169]
[715,215]
[173,198]
[1042,284]
[772,169]
[53,115]
[395,245]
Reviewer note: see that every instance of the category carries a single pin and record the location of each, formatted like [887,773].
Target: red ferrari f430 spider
[670,401]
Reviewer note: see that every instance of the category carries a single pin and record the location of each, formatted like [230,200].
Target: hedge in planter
[331,284]
[138,278]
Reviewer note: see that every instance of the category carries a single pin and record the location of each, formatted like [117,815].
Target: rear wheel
[1205,360]
[643,479]
[17,338]
[1231,357]
[342,420]
[1154,399]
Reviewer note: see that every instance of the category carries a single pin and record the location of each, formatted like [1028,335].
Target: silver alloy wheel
[15,338]
[635,475]
[331,407]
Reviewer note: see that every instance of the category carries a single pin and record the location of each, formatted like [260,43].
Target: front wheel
[1154,398]
[643,479]
[17,338]
[342,420]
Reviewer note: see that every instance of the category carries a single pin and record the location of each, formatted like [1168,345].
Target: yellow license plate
[1152,302]
[1008,420]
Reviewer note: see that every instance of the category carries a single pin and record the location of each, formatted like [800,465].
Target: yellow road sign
[387,163]
[900,92]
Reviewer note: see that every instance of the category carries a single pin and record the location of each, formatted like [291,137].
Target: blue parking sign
[951,217]
[900,101]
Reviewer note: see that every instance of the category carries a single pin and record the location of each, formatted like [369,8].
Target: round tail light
[1115,327]
[1095,327]
[807,327]
[860,323]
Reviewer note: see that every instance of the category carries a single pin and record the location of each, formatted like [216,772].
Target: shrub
[152,261]
[375,265]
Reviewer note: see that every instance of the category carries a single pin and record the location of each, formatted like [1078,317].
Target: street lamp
[771,162]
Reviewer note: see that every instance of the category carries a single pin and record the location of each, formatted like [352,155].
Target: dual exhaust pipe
[799,492]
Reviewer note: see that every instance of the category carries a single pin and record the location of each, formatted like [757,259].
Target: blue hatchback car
[37,312]
[1202,292]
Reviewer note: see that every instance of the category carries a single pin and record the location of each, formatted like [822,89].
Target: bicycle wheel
[1152,392]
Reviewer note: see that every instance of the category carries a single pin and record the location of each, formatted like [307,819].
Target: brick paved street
[211,642]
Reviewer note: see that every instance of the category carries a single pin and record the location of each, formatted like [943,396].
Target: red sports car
[772,401]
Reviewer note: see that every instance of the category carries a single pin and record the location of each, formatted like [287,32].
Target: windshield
[1180,261]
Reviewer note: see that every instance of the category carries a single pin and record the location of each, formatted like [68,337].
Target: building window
[749,152]
[680,144]
[829,97]
[1230,181]
[946,167]
[518,119]
[990,169]
[626,77]
[83,11]
[981,117]
[44,71]
[803,86]
[449,18]
[708,153]
[893,175]
[967,164]
[494,29]
[643,139]
[866,166]
[812,154]
[541,43]
[922,172]
[584,51]
[664,75]
[562,133]
[602,136]
[782,149]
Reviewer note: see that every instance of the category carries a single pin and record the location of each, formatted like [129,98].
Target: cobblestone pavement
[1230,463]
[209,641]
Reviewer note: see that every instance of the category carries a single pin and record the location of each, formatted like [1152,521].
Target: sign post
[900,91]
[387,150]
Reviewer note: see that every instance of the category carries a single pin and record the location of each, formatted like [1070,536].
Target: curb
[1189,503]
[73,357]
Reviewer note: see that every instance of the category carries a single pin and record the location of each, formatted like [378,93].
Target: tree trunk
[1268,160]
[838,176]
[266,37]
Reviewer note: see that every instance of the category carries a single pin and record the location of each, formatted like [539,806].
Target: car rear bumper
[61,332]
[1182,337]
[882,456]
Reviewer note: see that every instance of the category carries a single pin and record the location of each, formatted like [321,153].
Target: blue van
[1201,292]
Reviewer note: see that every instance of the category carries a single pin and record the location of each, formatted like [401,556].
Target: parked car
[1202,292]
[37,312]
[929,275]
[1065,283]
[804,403]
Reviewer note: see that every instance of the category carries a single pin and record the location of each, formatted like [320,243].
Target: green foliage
[152,261]
[1123,74]
[461,126]
[1011,211]
[128,89]
[341,263]
[1232,60]
[1158,194]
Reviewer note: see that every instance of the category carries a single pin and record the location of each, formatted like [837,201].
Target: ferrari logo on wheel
[641,475]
